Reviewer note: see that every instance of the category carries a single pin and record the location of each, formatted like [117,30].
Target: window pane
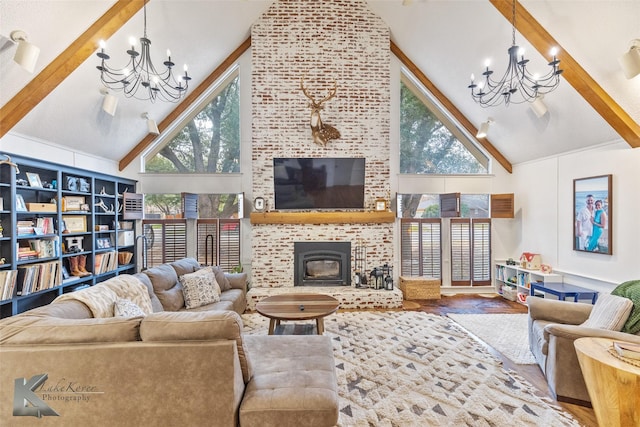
[210,141]
[474,205]
[209,205]
[427,146]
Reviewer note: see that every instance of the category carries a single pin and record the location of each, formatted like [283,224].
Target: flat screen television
[318,183]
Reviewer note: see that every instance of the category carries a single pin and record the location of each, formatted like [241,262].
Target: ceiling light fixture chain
[139,78]
[517,85]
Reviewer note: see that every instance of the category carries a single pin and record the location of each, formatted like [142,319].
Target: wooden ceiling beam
[573,73]
[493,151]
[186,103]
[70,59]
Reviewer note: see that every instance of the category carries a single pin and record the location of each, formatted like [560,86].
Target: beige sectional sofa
[72,364]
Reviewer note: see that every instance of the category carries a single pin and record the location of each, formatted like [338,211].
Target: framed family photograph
[592,214]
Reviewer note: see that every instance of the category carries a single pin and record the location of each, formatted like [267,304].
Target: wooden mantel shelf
[349,217]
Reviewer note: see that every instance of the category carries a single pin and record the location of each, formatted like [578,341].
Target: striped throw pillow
[609,312]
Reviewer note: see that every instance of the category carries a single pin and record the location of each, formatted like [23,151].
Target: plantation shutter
[207,250]
[481,249]
[450,205]
[502,206]
[460,251]
[229,244]
[430,237]
[219,242]
[189,204]
[133,206]
[174,240]
[409,247]
[166,240]
[420,247]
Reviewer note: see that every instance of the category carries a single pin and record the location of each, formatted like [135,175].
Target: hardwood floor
[476,304]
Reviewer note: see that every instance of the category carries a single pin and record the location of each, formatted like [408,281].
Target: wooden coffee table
[297,307]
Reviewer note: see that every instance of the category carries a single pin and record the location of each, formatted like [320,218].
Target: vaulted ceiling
[445,40]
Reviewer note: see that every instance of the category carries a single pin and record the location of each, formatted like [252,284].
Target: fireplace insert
[322,263]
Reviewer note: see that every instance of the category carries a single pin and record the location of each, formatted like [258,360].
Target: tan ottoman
[294,382]
[419,287]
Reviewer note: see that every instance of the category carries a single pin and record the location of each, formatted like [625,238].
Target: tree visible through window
[430,143]
[210,141]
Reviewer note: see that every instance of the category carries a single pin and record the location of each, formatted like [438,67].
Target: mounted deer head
[322,133]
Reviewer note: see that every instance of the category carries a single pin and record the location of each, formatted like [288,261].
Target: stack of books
[627,349]
[26,253]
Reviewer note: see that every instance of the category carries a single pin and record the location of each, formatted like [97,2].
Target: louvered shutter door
[450,205]
[189,202]
[174,240]
[207,241]
[430,237]
[133,206]
[481,249]
[460,252]
[409,247]
[502,206]
[229,244]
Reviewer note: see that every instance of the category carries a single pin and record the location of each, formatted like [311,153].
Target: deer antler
[321,132]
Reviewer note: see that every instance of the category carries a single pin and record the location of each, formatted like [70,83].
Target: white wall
[544,223]
[27,146]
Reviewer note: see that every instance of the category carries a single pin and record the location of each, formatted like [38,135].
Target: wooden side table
[613,384]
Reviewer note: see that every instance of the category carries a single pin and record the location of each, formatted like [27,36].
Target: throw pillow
[631,290]
[222,280]
[199,289]
[127,308]
[609,312]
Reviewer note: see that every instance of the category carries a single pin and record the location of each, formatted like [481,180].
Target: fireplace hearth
[322,263]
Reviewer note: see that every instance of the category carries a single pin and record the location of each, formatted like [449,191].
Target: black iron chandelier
[139,78]
[517,85]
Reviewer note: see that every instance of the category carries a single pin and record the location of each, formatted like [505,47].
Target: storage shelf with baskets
[514,282]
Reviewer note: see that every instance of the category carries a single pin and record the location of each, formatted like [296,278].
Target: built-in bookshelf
[61,228]
[514,282]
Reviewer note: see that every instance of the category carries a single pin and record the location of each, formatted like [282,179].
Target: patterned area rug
[418,369]
[507,333]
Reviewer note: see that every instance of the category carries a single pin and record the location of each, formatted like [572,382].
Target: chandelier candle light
[517,85]
[140,79]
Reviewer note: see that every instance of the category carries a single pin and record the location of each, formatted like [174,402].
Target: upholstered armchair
[554,326]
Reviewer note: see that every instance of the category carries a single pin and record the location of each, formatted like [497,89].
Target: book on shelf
[7,283]
[37,277]
[627,349]
[105,261]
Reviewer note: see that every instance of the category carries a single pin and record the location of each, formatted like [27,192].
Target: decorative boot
[73,266]
[82,263]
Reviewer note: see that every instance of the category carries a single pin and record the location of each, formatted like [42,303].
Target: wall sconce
[484,128]
[109,103]
[630,61]
[26,54]
[151,124]
[538,106]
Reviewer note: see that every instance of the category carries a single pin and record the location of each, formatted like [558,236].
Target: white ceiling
[448,40]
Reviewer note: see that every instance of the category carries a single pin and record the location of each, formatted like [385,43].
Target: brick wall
[324,41]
